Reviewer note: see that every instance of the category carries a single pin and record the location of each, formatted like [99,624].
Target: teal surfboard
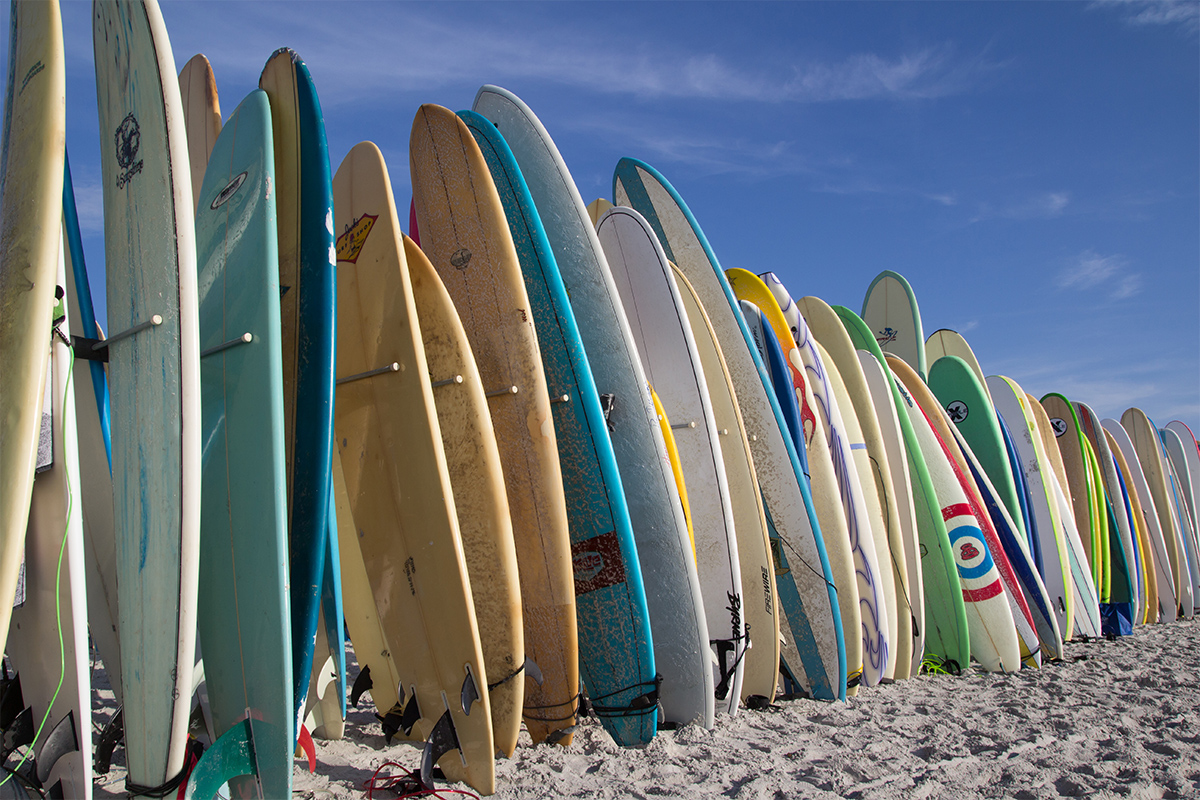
[308,308]
[153,381]
[610,600]
[679,627]
[243,613]
[803,576]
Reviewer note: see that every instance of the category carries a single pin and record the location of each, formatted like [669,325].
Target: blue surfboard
[610,599]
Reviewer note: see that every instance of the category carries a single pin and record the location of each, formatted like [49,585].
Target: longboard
[308,319]
[890,310]
[663,336]
[48,638]
[465,235]
[610,598]
[760,604]
[676,613]
[480,497]
[201,116]
[242,619]
[804,578]
[153,380]
[1141,534]
[398,484]
[31,184]
[893,549]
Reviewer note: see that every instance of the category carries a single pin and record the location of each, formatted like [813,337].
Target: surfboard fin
[230,756]
[309,748]
[362,683]
[18,733]
[442,739]
[62,740]
[397,720]
[470,692]
[107,742]
[533,670]
[557,735]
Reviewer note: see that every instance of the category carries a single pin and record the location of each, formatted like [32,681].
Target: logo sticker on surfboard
[129,141]
[597,563]
[957,410]
[886,336]
[229,191]
[351,242]
[1059,425]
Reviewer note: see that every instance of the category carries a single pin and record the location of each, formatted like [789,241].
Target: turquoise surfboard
[243,618]
[610,599]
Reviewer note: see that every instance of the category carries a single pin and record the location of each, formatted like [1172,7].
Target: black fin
[362,683]
[107,742]
[470,692]
[442,739]
[18,734]
[62,740]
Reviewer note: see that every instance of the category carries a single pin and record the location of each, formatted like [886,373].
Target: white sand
[1115,719]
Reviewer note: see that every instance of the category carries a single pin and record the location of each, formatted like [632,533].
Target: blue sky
[1033,169]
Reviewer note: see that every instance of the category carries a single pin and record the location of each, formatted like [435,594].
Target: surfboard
[945,625]
[1101,520]
[1183,516]
[1186,454]
[892,550]
[201,116]
[1141,533]
[826,492]
[610,598]
[675,607]
[1149,450]
[242,617]
[308,320]
[1168,595]
[664,425]
[466,237]
[1065,424]
[31,184]
[90,385]
[48,639]
[890,310]
[994,641]
[153,380]
[1085,599]
[398,483]
[480,497]
[802,570]
[760,600]
[1178,444]
[945,342]
[872,593]
[1124,579]
[796,390]
[1012,406]
[1024,590]
[664,340]
[966,399]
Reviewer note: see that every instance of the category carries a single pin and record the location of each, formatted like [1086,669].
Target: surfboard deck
[610,598]
[201,116]
[890,310]
[465,235]
[153,379]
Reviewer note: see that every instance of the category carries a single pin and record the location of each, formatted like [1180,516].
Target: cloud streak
[1091,270]
[1184,14]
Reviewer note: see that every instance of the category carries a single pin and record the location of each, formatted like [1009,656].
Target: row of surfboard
[535,453]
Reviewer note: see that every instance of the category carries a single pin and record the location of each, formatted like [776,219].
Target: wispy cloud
[1184,14]
[1090,270]
[1045,205]
[445,47]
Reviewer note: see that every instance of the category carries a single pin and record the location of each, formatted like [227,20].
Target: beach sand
[1114,719]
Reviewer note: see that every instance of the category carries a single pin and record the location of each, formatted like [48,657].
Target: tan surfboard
[201,116]
[759,598]
[35,129]
[469,441]
[398,483]
[466,236]
[829,332]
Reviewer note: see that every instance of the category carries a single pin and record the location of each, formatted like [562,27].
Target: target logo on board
[976,569]
[1059,425]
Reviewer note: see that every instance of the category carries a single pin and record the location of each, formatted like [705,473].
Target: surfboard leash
[407,784]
